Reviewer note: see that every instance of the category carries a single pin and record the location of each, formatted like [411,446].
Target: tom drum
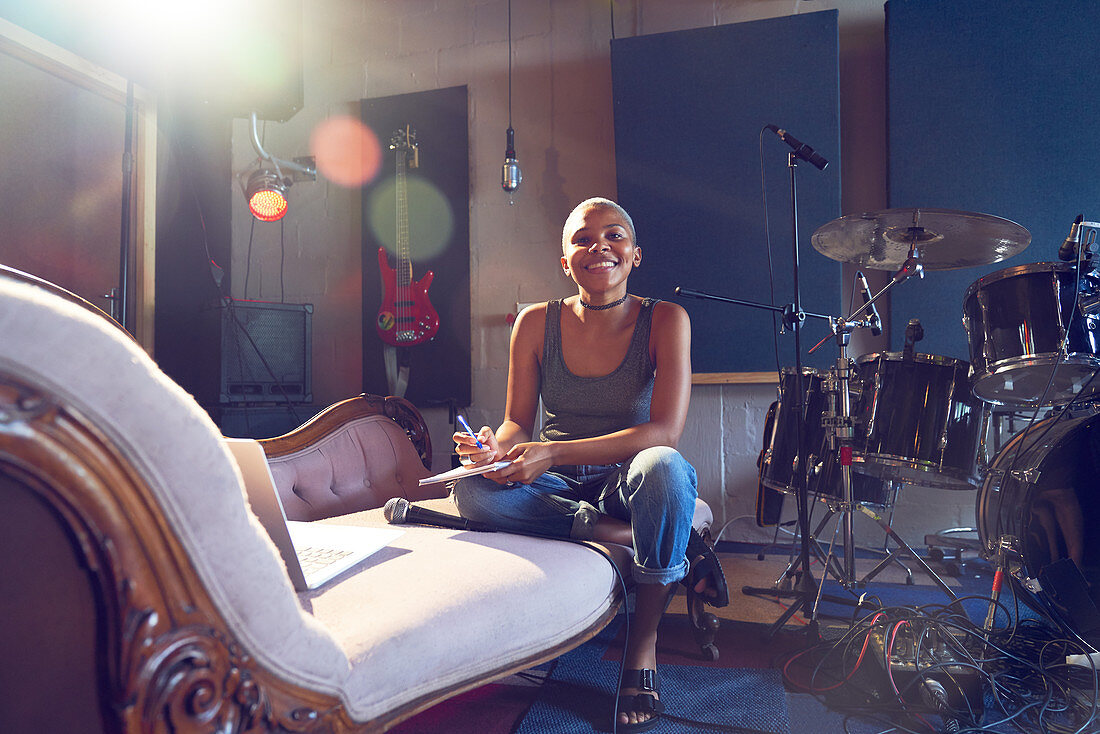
[781,458]
[1016,321]
[917,421]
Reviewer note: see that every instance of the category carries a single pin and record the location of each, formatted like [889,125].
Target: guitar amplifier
[266,352]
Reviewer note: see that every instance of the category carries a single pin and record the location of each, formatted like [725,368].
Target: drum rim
[790,370]
[934,359]
[1040,359]
[996,473]
[1014,270]
[920,469]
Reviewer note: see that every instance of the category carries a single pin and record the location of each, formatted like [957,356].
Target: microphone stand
[793,318]
[807,586]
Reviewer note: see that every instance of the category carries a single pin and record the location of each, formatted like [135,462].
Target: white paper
[464,471]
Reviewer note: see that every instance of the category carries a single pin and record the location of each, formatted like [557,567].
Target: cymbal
[943,239]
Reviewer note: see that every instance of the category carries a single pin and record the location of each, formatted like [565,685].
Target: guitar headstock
[404,139]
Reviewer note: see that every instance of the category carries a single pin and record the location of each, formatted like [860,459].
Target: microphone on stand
[865,294]
[1068,250]
[801,150]
[914,332]
[399,511]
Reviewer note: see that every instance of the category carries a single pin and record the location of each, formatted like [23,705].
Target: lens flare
[346,150]
[430,218]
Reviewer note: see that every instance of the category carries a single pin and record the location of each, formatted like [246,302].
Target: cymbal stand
[840,427]
[840,439]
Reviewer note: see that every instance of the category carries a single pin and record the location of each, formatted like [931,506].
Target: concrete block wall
[562,115]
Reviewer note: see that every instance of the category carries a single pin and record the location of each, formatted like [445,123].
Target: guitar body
[406,317]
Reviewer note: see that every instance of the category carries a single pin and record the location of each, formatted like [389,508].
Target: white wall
[562,115]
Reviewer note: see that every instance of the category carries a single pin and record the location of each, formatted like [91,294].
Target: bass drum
[1042,489]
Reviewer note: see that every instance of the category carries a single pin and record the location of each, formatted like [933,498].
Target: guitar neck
[404,260]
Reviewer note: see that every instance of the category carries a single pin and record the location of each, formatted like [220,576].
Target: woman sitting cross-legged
[614,374]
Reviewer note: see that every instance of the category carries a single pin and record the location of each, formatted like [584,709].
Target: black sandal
[705,565]
[645,702]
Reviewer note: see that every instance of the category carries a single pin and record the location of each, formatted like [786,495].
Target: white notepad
[464,471]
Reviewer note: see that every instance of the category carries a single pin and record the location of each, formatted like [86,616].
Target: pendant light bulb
[510,174]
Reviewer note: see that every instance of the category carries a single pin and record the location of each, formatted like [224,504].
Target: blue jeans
[655,492]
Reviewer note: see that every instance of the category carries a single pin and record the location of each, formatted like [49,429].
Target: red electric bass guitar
[406,317]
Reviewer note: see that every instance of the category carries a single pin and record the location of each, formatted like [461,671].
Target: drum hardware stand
[903,548]
[840,425]
[952,539]
[829,559]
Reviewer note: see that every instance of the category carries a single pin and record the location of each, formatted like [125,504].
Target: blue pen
[470,430]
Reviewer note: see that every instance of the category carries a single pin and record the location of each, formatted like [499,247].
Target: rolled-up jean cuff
[643,575]
[584,521]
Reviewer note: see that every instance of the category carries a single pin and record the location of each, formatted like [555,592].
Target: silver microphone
[865,294]
[510,174]
[1068,249]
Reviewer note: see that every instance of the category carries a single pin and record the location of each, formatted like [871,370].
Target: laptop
[313,552]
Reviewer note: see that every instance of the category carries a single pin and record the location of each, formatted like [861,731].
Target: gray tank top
[582,407]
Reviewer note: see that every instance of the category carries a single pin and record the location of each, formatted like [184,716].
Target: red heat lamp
[266,195]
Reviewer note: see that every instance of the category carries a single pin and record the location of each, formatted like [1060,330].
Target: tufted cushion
[358,467]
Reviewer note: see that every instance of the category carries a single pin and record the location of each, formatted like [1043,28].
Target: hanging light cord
[509,63]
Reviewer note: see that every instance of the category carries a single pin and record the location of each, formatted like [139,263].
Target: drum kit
[853,434]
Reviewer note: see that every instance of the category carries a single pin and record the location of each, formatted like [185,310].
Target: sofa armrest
[352,456]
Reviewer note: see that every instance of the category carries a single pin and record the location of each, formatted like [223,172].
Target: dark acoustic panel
[690,108]
[194,190]
[436,223]
[992,109]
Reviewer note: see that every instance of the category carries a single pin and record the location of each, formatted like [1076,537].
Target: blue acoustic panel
[993,108]
[689,110]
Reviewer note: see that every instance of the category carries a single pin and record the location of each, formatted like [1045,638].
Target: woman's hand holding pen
[476,448]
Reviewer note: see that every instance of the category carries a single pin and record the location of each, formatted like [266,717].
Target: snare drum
[1016,320]
[917,421]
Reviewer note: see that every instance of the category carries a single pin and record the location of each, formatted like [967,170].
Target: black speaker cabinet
[261,421]
[265,352]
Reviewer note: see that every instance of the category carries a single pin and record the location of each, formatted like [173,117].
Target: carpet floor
[745,690]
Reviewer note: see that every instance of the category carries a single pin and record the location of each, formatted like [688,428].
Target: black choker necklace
[605,306]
